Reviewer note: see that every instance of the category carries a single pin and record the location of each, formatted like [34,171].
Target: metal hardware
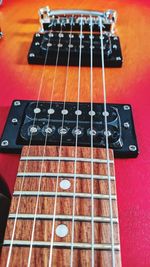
[132,148]
[47,158]
[14,120]
[26,175]
[37,34]
[32,54]
[4,143]
[126,107]
[44,244]
[126,125]
[1,34]
[37,43]
[62,217]
[56,18]
[63,194]
[120,137]
[17,103]
[52,21]
[37,53]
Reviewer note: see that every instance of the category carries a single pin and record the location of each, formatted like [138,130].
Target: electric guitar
[70,116]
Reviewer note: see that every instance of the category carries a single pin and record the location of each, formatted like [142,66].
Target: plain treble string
[92,167]
[107,143]
[76,143]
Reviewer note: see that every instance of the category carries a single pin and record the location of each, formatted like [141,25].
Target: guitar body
[129,84]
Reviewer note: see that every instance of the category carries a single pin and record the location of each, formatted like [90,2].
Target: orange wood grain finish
[19,21]
[64,209]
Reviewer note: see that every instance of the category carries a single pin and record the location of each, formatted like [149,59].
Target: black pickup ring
[20,126]
[51,41]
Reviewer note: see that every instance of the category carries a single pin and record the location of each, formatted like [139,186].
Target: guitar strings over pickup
[52,120]
[61,30]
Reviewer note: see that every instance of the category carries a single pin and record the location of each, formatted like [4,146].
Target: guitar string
[44,150]
[25,166]
[60,150]
[107,142]
[104,108]
[76,144]
[92,166]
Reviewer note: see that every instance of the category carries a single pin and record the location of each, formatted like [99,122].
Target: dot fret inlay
[27,189]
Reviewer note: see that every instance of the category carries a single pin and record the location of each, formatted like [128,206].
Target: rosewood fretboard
[35,218]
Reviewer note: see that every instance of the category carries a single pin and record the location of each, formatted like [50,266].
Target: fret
[62,194]
[67,175]
[45,171]
[27,216]
[25,243]
[43,158]
[53,151]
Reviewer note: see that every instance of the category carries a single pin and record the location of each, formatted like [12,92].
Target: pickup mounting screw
[126,107]
[126,125]
[37,35]
[14,120]
[118,58]
[1,34]
[31,55]
[17,103]
[132,148]
[114,46]
[4,143]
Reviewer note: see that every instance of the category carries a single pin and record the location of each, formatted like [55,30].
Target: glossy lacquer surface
[130,84]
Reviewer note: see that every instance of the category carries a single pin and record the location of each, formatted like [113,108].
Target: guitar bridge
[61,33]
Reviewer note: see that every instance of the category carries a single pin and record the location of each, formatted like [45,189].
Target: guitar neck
[64,209]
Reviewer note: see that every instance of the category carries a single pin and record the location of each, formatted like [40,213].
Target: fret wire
[39,158]
[62,217]
[107,143]
[23,243]
[63,194]
[69,175]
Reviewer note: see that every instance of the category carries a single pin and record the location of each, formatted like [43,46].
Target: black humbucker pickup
[45,46]
[32,122]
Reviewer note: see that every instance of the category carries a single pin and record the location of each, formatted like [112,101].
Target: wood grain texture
[64,209]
